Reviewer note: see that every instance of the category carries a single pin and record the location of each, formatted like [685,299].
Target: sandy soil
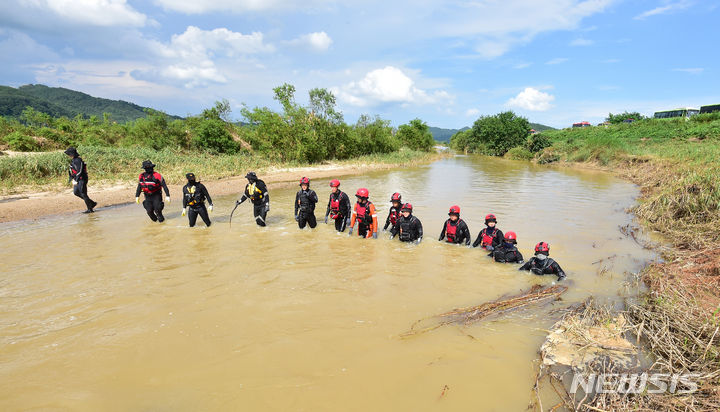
[39,204]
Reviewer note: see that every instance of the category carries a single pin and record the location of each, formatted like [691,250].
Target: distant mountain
[59,101]
[444,135]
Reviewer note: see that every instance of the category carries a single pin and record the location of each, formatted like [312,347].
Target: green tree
[619,118]
[212,134]
[416,135]
[499,133]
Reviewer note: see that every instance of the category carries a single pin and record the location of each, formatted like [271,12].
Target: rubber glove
[74,182]
[326,220]
[210,208]
[167,199]
[489,248]
[392,237]
[137,200]
[184,211]
[267,207]
[374,235]
[351,230]
[417,242]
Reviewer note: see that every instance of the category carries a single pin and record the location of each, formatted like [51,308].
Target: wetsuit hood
[71,151]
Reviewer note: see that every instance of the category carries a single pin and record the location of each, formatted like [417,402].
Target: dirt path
[36,205]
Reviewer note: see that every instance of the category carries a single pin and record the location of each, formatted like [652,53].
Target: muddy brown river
[112,312]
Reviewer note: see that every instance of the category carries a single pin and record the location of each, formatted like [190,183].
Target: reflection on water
[112,312]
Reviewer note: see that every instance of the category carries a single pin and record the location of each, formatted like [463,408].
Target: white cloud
[668,8]
[103,13]
[557,60]
[582,42]
[191,57]
[472,112]
[522,65]
[317,41]
[233,6]
[387,85]
[691,70]
[532,99]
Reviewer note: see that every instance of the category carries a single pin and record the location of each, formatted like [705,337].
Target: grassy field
[45,171]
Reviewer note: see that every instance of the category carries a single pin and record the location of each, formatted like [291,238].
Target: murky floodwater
[112,312]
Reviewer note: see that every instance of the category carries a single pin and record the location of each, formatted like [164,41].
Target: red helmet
[542,247]
[334,183]
[490,217]
[454,210]
[396,197]
[511,236]
[406,206]
[305,181]
[362,192]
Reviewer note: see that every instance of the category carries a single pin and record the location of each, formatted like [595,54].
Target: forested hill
[444,135]
[58,101]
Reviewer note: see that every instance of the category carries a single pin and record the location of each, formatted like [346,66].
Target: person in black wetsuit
[455,230]
[194,196]
[77,173]
[408,227]
[151,183]
[490,237]
[305,201]
[339,207]
[257,192]
[542,264]
[394,213]
[507,252]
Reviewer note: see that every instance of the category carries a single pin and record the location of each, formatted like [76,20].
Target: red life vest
[394,215]
[451,230]
[363,213]
[150,184]
[335,205]
[487,240]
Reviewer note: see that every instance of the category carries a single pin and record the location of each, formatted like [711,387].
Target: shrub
[21,143]
[212,134]
[537,142]
[519,153]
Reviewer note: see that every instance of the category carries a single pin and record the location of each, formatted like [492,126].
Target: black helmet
[251,176]
[71,151]
[190,177]
[147,164]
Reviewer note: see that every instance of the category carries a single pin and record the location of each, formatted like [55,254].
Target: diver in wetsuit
[455,230]
[394,212]
[408,227]
[151,183]
[338,208]
[257,192]
[194,196]
[542,264]
[77,173]
[490,237]
[507,252]
[305,201]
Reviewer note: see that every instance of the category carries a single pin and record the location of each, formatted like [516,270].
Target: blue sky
[446,62]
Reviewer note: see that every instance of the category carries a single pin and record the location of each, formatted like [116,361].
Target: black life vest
[78,174]
[150,183]
[406,232]
[194,197]
[304,201]
[539,267]
[363,214]
[451,230]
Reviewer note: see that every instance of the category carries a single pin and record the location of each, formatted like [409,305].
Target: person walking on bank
[490,237]
[542,264]
[455,230]
[77,173]
[394,213]
[151,183]
[365,215]
[194,196]
[408,227]
[305,201]
[257,192]
[338,208]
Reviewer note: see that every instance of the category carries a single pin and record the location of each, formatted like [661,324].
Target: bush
[537,142]
[499,133]
[519,153]
[548,155]
[21,143]
[212,134]
[416,135]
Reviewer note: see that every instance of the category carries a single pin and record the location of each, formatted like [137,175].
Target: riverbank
[675,165]
[52,195]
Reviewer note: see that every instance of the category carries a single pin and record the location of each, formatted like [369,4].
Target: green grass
[112,164]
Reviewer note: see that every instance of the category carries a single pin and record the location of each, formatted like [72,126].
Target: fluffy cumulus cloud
[103,13]
[532,99]
[317,41]
[191,57]
[387,85]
